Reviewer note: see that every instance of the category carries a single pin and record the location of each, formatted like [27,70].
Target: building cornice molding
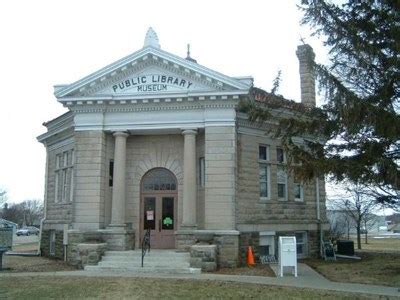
[172,97]
[173,107]
[57,126]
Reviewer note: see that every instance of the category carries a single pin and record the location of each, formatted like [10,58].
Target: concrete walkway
[307,278]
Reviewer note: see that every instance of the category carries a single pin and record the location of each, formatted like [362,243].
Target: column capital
[189,131]
[120,133]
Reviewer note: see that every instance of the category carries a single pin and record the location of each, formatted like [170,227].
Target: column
[118,193]
[189,179]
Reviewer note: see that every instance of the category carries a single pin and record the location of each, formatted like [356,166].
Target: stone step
[152,253]
[165,270]
[155,261]
[146,258]
[145,263]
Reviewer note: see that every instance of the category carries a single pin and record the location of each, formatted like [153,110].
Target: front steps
[155,261]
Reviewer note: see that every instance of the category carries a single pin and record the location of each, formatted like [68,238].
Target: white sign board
[287,253]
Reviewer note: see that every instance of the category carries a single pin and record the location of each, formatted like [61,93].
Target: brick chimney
[306,58]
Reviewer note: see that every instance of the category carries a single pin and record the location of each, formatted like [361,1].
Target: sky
[44,43]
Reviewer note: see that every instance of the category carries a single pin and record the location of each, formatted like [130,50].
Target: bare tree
[340,224]
[3,197]
[32,211]
[358,204]
[28,212]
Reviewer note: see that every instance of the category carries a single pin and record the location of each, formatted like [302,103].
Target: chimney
[306,57]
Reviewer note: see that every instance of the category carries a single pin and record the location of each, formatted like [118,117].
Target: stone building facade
[157,141]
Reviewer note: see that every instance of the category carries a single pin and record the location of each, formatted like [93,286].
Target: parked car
[28,231]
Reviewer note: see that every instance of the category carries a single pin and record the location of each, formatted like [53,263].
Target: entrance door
[159,216]
[159,208]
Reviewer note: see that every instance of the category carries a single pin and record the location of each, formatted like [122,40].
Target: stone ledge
[214,232]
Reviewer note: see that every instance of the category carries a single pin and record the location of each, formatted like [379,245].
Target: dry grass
[257,270]
[379,264]
[379,244]
[33,264]
[31,247]
[146,288]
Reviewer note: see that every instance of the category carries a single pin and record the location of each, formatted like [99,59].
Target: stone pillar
[306,58]
[118,193]
[189,179]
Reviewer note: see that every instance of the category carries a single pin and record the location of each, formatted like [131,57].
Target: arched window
[159,180]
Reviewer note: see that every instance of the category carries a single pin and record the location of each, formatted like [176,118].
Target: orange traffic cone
[250,257]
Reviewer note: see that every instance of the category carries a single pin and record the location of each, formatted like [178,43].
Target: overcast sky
[44,43]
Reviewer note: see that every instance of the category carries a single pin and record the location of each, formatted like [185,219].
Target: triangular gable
[154,70]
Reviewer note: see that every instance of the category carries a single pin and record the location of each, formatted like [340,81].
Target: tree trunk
[366,237]
[358,236]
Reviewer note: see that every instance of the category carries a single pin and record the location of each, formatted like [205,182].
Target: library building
[156,144]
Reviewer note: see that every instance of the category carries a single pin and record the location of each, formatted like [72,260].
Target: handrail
[145,244]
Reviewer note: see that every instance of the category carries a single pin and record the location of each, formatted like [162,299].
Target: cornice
[172,107]
[57,126]
[148,98]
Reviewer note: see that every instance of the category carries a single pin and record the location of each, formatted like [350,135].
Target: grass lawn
[146,288]
[379,264]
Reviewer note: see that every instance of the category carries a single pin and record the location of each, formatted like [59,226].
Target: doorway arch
[158,206]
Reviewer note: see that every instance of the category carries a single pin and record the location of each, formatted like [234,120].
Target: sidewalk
[307,278]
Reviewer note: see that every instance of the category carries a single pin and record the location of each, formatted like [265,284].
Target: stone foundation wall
[45,244]
[226,242]
[88,254]
[80,254]
[253,239]
[247,239]
[204,257]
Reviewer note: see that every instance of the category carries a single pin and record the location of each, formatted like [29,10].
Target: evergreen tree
[357,130]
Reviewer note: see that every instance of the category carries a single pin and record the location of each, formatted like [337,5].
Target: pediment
[151,71]
[154,78]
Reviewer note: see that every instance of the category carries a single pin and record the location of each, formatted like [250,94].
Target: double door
[159,214]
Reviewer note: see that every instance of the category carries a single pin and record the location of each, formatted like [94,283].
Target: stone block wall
[45,244]
[220,169]
[82,247]
[247,239]
[89,254]
[90,179]
[58,211]
[226,242]
[204,257]
[264,214]
[253,239]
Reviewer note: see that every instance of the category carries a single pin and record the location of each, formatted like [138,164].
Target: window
[202,169]
[264,167]
[263,180]
[63,182]
[297,188]
[280,156]
[282,183]
[52,243]
[111,173]
[263,153]
[301,243]
[159,180]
